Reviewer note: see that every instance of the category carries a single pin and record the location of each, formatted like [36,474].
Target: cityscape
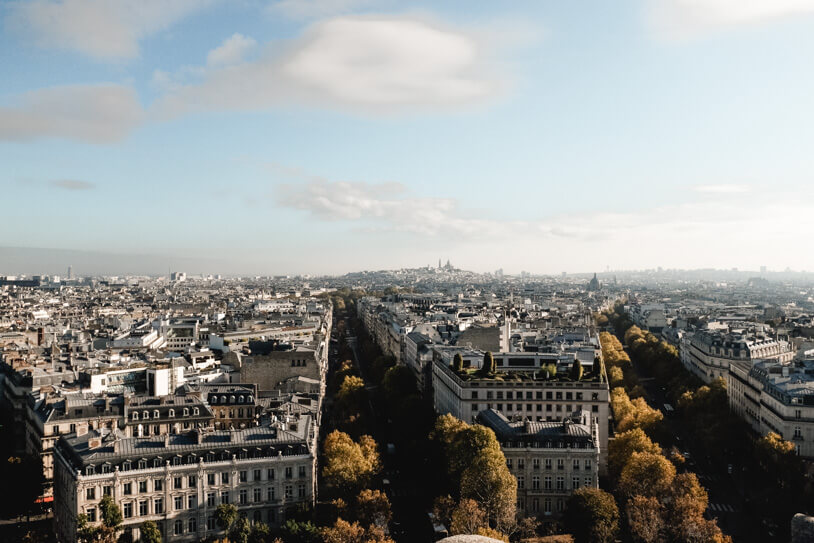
[375,271]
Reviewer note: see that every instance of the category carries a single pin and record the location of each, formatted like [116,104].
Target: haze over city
[325,137]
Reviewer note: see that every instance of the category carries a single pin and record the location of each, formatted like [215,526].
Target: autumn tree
[442,508]
[467,517]
[489,482]
[645,519]
[347,465]
[646,474]
[591,516]
[621,448]
[373,508]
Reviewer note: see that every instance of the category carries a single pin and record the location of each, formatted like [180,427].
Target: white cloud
[368,63]
[682,18]
[318,9]
[231,51]
[105,29]
[91,113]
[717,232]
[722,189]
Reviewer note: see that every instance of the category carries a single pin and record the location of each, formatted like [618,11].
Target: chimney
[81,429]
[95,442]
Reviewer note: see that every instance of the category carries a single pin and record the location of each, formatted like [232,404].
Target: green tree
[150,533]
[576,371]
[240,531]
[488,367]
[111,514]
[592,516]
[458,363]
[300,532]
[261,533]
[225,515]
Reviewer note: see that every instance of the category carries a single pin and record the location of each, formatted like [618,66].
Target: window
[535,482]
[195,411]
[270,494]
[90,493]
[142,508]
[210,499]
[171,414]
[509,463]
[798,432]
[91,514]
[560,483]
[289,472]
[548,482]
[210,523]
[192,481]
[224,497]
[126,466]
[575,483]
[155,414]
[145,415]
[186,412]
[588,481]
[127,489]
[521,463]
[576,464]
[179,503]
[179,527]
[142,487]
[474,394]
[135,416]
[128,510]
[301,472]
[547,463]
[224,478]
[300,490]
[243,497]
[158,484]
[142,464]
[257,517]
[210,479]
[270,474]
[192,525]
[521,482]
[258,495]
[158,506]
[107,491]
[244,476]
[89,470]
[535,463]
[256,475]
[192,501]
[177,482]
[289,491]
[560,463]
[547,505]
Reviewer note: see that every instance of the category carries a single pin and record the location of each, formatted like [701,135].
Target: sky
[304,136]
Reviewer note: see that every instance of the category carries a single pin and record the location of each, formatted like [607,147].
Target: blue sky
[321,137]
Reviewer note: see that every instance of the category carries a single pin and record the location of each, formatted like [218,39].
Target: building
[708,353]
[525,389]
[178,480]
[549,459]
[650,317]
[776,397]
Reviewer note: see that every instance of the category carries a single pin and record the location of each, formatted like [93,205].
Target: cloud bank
[103,29]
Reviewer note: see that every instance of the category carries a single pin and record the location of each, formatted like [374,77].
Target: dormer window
[157,462]
[195,411]
[249,398]
[142,464]
[126,465]
[223,399]
[135,415]
[186,412]
[156,414]
[240,399]
[172,413]
[146,415]
[105,468]
[89,470]
[214,400]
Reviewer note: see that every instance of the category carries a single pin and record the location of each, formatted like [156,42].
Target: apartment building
[549,460]
[179,480]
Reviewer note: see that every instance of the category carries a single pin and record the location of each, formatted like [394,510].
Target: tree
[150,533]
[576,371]
[240,531]
[348,466]
[488,367]
[344,532]
[467,517]
[527,527]
[373,508]
[486,531]
[398,383]
[261,533]
[488,481]
[300,532]
[111,514]
[442,508]
[646,474]
[458,362]
[225,515]
[591,516]
[645,519]
[624,445]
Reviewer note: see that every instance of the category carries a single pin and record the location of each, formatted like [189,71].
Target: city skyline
[538,136]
